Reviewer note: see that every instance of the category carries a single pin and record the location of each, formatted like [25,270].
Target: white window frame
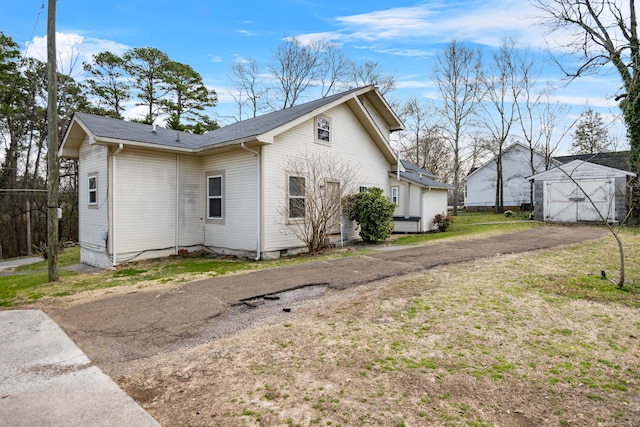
[317,129]
[395,195]
[215,197]
[290,197]
[92,191]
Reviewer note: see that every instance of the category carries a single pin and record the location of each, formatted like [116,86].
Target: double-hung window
[323,130]
[297,197]
[395,191]
[92,190]
[214,197]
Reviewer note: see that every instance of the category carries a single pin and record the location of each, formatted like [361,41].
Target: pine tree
[591,135]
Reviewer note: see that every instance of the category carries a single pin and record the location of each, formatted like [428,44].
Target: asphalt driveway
[142,323]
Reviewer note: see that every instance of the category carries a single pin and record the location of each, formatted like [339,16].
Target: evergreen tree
[591,135]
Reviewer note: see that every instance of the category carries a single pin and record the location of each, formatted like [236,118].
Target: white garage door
[566,202]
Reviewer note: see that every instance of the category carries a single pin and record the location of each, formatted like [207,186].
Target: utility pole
[52,146]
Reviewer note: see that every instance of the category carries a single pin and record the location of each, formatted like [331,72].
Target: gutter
[259,202]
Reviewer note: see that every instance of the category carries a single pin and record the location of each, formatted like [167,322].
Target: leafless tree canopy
[457,76]
[317,183]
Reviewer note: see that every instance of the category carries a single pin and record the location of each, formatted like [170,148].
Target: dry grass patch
[514,340]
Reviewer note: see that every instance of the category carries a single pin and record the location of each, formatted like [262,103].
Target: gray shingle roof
[425,181]
[265,123]
[614,159]
[107,127]
[421,176]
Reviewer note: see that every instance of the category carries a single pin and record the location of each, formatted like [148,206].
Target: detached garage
[580,191]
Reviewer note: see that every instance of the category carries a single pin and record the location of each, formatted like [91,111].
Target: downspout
[177,231]
[114,260]
[259,203]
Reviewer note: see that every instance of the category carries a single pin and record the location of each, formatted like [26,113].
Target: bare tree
[247,79]
[502,86]
[317,183]
[603,33]
[370,73]
[456,75]
[527,109]
[551,114]
[422,142]
[415,115]
[333,68]
[294,67]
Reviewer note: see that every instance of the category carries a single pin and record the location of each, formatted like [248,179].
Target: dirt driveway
[116,329]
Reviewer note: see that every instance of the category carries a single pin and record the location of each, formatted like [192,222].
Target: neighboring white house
[581,191]
[480,185]
[146,191]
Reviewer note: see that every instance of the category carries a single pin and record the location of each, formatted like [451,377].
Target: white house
[581,191]
[480,185]
[146,191]
[419,198]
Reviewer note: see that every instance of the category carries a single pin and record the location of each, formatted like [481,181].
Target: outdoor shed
[581,191]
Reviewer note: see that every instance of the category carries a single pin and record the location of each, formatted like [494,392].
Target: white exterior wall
[237,231]
[435,202]
[191,190]
[145,195]
[348,138]
[481,184]
[93,219]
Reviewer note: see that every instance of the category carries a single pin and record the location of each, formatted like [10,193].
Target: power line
[35,25]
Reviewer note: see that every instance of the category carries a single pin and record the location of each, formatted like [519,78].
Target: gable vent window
[323,130]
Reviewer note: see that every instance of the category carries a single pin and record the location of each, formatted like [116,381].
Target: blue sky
[403,36]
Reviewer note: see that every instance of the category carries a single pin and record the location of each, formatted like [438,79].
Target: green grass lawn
[467,224]
[32,281]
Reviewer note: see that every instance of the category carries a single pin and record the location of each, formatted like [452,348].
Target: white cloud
[248,33]
[436,22]
[72,50]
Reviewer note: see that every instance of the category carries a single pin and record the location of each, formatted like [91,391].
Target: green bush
[442,221]
[373,212]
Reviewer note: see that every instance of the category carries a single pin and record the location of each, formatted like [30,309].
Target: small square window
[92,195]
[323,130]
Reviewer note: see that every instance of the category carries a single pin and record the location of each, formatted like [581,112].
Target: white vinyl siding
[238,230]
[190,202]
[481,184]
[348,137]
[145,210]
[93,219]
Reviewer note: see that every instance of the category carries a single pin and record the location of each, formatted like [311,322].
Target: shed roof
[579,169]
[614,159]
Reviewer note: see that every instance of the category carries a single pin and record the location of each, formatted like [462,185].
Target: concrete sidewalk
[46,380]
[17,262]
